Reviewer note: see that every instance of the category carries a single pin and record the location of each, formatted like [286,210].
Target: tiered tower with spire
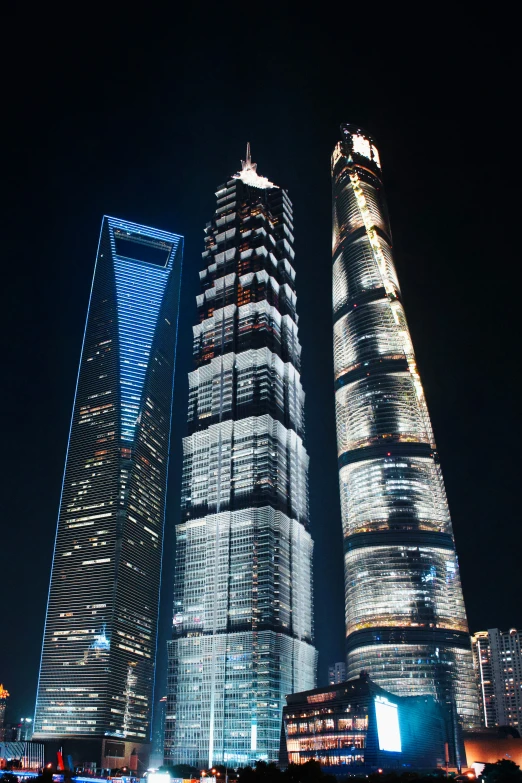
[242,631]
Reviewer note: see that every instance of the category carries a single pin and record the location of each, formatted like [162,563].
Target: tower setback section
[97,667]
[242,623]
[405,617]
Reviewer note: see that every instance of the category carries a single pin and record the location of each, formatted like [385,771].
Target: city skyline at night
[242,617]
[141,117]
[98,658]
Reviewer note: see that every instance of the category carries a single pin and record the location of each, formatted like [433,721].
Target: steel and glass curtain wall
[356,727]
[97,667]
[242,632]
[405,617]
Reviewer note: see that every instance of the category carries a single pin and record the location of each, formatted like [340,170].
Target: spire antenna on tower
[249,175]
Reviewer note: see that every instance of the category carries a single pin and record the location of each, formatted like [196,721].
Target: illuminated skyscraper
[97,668]
[498,664]
[405,617]
[243,586]
[4,695]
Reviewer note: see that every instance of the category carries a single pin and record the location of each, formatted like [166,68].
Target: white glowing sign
[158,777]
[387,715]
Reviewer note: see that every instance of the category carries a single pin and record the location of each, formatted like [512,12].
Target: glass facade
[405,616]
[355,727]
[97,667]
[498,664]
[242,623]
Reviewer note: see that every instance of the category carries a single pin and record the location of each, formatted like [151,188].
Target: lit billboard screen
[388,731]
[158,777]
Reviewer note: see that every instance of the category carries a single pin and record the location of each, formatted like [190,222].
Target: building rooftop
[249,175]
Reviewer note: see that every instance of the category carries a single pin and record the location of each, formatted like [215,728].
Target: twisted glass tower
[97,667]
[405,617]
[242,631]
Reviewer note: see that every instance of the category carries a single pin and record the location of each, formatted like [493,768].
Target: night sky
[142,117]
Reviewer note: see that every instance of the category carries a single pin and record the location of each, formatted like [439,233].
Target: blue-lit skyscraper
[97,670]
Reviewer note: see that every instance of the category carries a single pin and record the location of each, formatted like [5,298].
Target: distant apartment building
[4,695]
[336,673]
[498,663]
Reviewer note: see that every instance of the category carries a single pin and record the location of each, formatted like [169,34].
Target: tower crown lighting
[249,175]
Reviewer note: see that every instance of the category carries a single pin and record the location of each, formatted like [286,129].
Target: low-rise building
[486,746]
[21,755]
[357,726]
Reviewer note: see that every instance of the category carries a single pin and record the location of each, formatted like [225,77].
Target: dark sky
[141,116]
